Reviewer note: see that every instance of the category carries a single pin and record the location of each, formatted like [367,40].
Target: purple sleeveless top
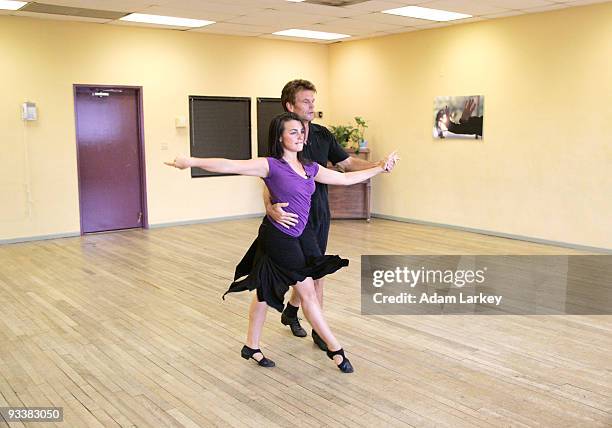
[286,185]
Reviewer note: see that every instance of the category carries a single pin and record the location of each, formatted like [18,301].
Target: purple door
[107,123]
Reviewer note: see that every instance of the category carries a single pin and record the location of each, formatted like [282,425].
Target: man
[321,146]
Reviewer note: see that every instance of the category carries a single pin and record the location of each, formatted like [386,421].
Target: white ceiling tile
[371,35]
[269,16]
[186,13]
[347,24]
[402,30]
[296,39]
[318,9]
[213,6]
[226,28]
[236,33]
[142,24]
[505,14]
[547,8]
[229,32]
[518,4]
[466,21]
[378,5]
[261,17]
[584,2]
[265,4]
[330,28]
[471,7]
[385,18]
[432,24]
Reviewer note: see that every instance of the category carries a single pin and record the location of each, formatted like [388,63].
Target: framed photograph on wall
[458,117]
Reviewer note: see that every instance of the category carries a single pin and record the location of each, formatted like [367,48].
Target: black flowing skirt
[275,261]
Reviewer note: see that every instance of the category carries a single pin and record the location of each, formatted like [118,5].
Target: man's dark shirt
[321,147]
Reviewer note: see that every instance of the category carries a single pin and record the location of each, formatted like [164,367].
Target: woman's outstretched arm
[328,176]
[257,167]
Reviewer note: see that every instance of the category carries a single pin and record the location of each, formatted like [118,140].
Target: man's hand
[180,162]
[468,109]
[280,216]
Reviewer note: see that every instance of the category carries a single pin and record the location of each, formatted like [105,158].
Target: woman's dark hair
[275,135]
[439,116]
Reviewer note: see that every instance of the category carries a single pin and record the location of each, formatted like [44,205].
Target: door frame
[141,149]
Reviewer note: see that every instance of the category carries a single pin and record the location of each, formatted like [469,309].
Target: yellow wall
[40,60]
[544,169]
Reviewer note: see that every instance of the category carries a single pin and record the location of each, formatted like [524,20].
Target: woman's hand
[388,163]
[180,162]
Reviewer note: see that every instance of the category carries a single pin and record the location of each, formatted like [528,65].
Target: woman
[283,257]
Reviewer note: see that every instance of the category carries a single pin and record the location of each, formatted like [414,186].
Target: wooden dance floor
[129,329]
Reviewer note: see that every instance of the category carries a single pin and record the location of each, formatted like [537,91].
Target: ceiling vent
[336,3]
[71,11]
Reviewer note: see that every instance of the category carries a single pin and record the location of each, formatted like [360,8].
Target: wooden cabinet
[351,202]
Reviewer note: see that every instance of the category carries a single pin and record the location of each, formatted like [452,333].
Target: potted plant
[349,136]
[358,135]
[343,134]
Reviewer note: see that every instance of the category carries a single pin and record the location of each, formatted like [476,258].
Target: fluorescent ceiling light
[165,20]
[426,13]
[12,5]
[321,35]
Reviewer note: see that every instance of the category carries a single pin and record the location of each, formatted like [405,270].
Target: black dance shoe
[345,366]
[318,341]
[247,353]
[294,323]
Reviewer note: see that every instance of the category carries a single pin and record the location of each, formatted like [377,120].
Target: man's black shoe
[318,341]
[294,323]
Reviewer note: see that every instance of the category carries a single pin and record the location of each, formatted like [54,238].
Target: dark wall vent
[71,11]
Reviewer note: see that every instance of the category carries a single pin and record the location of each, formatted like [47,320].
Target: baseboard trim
[497,234]
[151,226]
[39,238]
[375,215]
[206,220]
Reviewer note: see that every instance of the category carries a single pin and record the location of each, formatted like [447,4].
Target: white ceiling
[260,18]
